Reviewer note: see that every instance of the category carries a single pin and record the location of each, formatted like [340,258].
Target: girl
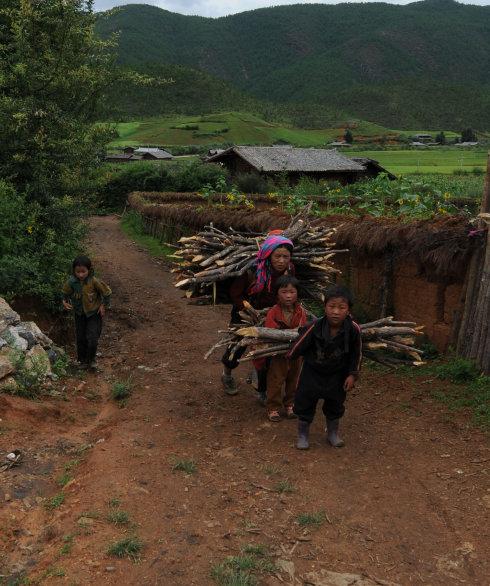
[286,314]
[88,297]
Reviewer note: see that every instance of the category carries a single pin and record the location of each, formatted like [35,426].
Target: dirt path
[407,500]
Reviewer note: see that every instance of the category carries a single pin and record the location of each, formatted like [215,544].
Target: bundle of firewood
[213,255]
[385,340]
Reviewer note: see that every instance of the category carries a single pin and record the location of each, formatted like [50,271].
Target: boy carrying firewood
[331,349]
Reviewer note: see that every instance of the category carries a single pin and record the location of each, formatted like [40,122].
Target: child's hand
[102,310]
[349,383]
[67,305]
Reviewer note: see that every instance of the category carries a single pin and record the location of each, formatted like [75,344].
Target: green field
[432,160]
[243,128]
[232,127]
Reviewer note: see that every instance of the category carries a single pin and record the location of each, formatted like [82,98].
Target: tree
[53,73]
[441,138]
[348,136]
[468,135]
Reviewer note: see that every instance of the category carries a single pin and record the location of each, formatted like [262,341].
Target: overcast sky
[223,7]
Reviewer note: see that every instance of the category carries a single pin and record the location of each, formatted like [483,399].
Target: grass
[466,388]
[118,517]
[65,478]
[55,502]
[311,519]
[271,470]
[438,160]
[129,547]
[245,128]
[284,486]
[243,569]
[67,544]
[132,226]
[121,390]
[187,466]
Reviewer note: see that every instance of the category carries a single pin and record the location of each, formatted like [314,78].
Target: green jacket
[87,296]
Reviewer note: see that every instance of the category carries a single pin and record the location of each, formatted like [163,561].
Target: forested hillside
[424,64]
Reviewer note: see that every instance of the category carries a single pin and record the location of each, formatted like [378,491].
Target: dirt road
[407,499]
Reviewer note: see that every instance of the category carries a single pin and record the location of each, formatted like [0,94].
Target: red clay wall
[412,296]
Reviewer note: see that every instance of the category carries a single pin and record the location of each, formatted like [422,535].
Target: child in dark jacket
[88,297]
[286,314]
[331,349]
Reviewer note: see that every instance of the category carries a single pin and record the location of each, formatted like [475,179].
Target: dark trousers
[310,391]
[232,363]
[88,330]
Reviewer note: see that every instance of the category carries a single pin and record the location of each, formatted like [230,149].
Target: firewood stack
[213,256]
[385,340]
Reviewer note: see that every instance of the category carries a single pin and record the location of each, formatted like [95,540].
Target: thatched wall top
[441,247]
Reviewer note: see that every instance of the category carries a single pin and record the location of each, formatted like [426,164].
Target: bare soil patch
[407,499]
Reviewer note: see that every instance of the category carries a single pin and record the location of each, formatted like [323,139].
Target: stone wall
[22,345]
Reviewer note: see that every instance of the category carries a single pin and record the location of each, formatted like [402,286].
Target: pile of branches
[212,256]
[384,340]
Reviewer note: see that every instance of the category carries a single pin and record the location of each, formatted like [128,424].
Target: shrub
[252,183]
[143,176]
[121,390]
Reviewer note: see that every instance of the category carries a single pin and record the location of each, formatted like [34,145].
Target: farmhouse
[295,163]
[153,154]
[422,137]
[121,158]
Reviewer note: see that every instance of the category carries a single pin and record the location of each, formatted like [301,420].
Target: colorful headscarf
[263,265]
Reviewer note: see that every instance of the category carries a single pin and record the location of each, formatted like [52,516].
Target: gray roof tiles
[156,152]
[277,159]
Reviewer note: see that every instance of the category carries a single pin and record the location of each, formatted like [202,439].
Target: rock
[31,332]
[8,384]
[2,343]
[6,365]
[37,358]
[287,567]
[327,578]
[8,317]
[14,340]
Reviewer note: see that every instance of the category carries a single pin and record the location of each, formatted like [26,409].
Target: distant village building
[121,158]
[131,154]
[150,154]
[296,163]
[423,138]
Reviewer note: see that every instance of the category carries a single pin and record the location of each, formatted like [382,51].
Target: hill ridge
[375,61]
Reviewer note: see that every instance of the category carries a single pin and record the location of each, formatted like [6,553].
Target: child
[286,314]
[331,350]
[88,297]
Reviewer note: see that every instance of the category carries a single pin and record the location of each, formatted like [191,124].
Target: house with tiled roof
[294,163]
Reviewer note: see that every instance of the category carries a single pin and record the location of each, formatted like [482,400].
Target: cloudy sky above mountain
[222,7]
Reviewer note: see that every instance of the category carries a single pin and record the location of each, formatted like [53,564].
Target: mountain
[422,65]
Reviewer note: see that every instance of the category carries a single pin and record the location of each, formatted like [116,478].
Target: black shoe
[229,384]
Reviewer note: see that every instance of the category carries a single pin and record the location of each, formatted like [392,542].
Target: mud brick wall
[411,295]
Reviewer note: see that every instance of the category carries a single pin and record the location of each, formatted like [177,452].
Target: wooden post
[474,334]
